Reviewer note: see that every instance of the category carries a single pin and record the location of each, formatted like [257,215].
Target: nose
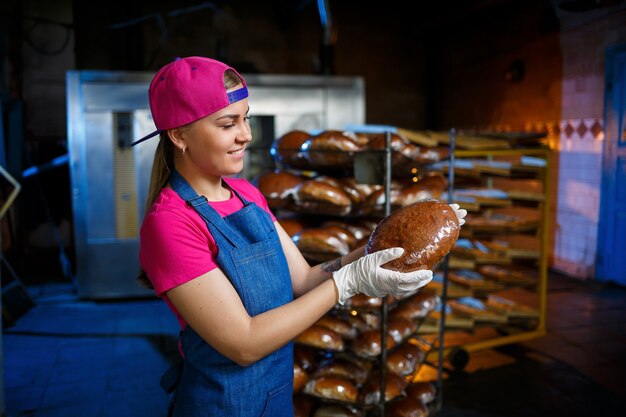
[245,133]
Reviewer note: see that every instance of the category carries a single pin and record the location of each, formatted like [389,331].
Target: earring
[182,150]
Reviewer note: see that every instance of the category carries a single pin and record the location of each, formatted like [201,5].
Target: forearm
[324,271]
[274,328]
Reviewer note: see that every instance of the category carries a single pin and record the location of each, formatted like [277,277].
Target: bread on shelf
[278,188]
[406,407]
[300,377]
[343,367]
[331,149]
[320,244]
[425,391]
[334,410]
[321,197]
[288,150]
[370,393]
[322,338]
[368,344]
[341,326]
[405,359]
[332,387]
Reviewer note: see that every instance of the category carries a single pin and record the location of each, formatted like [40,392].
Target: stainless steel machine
[106,111]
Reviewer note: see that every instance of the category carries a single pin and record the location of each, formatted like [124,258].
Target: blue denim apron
[251,256]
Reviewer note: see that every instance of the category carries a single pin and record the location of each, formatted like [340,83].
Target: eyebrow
[232,116]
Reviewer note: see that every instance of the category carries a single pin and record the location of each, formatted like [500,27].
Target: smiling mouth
[237,152]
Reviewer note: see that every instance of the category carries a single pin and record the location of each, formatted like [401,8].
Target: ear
[176,136]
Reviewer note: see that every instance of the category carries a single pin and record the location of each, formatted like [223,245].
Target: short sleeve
[175,248]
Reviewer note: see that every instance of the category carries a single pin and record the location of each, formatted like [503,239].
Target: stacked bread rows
[336,149]
[343,196]
[336,358]
[354,208]
[327,214]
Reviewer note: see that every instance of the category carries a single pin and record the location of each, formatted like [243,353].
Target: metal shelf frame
[542,286]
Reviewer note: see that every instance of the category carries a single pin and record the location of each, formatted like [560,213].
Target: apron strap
[202,207]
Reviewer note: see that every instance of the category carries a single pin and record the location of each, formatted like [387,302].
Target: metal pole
[385,307]
[444,289]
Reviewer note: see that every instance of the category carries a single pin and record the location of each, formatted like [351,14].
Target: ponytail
[161,170]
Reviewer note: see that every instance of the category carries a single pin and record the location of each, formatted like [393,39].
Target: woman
[217,256]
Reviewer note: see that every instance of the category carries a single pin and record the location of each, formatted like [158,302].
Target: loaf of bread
[306,357]
[320,244]
[426,188]
[415,307]
[288,149]
[278,187]
[332,387]
[332,148]
[368,344]
[363,301]
[400,328]
[424,391]
[341,326]
[365,320]
[405,359]
[321,337]
[328,410]
[342,367]
[427,230]
[406,407]
[370,393]
[313,196]
[300,377]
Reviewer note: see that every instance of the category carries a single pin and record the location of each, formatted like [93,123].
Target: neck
[212,187]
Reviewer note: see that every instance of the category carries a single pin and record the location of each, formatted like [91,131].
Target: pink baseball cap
[187,90]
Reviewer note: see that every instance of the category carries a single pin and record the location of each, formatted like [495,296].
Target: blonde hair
[164,162]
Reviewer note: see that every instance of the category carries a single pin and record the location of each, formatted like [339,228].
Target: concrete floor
[72,357]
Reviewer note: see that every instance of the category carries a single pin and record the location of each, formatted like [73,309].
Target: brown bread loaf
[424,391]
[321,337]
[288,148]
[332,387]
[427,230]
[406,407]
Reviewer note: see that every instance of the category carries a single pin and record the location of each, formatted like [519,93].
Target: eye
[247,119]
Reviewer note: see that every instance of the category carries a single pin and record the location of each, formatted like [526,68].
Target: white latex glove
[366,276]
[460,213]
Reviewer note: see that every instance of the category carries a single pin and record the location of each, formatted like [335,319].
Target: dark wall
[271,37]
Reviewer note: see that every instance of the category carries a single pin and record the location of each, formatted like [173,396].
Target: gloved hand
[460,213]
[366,276]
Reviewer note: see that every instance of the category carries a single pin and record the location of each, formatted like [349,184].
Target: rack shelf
[515,323]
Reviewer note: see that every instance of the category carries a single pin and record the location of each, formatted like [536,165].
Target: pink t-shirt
[175,243]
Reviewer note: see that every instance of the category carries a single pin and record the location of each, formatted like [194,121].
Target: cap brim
[153,134]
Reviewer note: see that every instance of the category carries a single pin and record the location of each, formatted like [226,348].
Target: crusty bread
[343,367]
[427,230]
[332,387]
[320,197]
[370,393]
[332,148]
[424,391]
[278,188]
[321,337]
[288,148]
[341,326]
[405,360]
[368,344]
[300,377]
[406,407]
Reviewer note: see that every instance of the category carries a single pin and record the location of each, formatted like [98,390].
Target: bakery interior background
[535,65]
